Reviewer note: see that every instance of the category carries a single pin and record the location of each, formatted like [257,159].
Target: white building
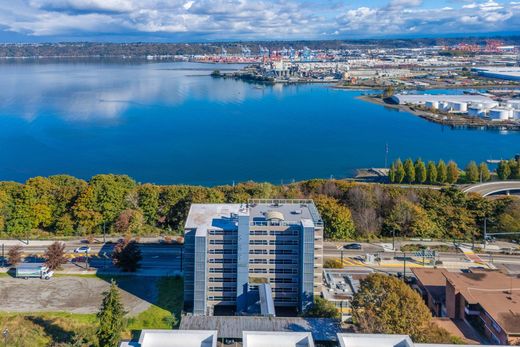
[174,338]
[383,340]
[501,113]
[276,339]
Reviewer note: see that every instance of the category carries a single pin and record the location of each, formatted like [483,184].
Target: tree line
[419,172]
[66,206]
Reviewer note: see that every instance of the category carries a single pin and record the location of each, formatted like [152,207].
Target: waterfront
[173,123]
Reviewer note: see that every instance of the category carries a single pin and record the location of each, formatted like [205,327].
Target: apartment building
[232,249]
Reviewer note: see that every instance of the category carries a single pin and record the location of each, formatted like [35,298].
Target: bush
[332,264]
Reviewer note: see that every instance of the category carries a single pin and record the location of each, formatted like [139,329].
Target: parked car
[82,249]
[352,246]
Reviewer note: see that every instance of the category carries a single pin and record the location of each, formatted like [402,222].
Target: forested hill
[64,206]
[141,50]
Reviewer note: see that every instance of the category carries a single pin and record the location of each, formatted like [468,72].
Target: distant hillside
[141,50]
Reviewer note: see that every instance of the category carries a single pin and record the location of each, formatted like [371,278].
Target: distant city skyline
[228,20]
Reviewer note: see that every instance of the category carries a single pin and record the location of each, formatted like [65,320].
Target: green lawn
[165,314]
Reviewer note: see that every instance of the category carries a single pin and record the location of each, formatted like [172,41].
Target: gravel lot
[72,294]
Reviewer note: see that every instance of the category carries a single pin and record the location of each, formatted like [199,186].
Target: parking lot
[73,294]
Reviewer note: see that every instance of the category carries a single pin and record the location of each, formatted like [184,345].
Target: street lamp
[5,333]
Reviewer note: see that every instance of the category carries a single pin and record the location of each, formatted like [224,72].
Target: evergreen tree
[484,173]
[472,173]
[111,318]
[453,173]
[399,171]
[431,170]
[442,172]
[503,170]
[409,171]
[420,171]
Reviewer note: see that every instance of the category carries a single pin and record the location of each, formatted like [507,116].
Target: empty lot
[73,294]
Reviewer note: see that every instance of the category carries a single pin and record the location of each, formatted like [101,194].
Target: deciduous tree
[409,171]
[420,171]
[452,173]
[472,173]
[323,309]
[14,255]
[336,217]
[442,172]
[431,170]
[503,170]
[386,305]
[399,171]
[55,255]
[483,171]
[127,255]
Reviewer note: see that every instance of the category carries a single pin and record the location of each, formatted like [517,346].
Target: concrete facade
[231,249]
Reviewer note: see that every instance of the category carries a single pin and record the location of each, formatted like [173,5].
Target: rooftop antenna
[386,155]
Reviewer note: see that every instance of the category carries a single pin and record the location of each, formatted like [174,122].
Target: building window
[258,232]
[223,261]
[222,251]
[283,242]
[257,261]
[258,251]
[258,242]
[222,242]
[257,271]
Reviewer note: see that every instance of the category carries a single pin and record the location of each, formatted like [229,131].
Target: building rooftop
[322,329]
[422,98]
[433,281]
[384,340]
[498,294]
[204,217]
[276,339]
[174,338]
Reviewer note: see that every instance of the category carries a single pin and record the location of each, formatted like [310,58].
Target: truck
[33,270]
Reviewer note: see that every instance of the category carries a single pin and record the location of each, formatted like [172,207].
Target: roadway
[491,188]
[157,259]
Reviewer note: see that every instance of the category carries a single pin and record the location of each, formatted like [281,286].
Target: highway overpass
[494,188]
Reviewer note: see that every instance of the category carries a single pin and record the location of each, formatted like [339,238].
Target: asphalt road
[486,189]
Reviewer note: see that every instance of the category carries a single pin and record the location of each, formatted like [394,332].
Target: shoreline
[459,122]
[485,86]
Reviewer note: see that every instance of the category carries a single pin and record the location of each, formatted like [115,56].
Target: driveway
[72,294]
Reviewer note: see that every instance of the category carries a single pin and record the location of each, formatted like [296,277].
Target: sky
[227,20]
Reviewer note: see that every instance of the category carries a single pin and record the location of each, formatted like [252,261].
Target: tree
[472,173]
[323,309]
[386,305]
[14,256]
[484,173]
[509,220]
[442,172]
[337,218]
[129,221]
[409,171]
[391,173]
[420,171]
[452,173]
[127,255]
[111,318]
[431,170]
[503,170]
[55,255]
[399,171]
[388,92]
[332,264]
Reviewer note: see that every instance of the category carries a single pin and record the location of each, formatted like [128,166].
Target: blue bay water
[171,123]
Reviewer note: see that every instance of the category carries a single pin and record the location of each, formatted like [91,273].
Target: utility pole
[386,156]
[341,258]
[485,232]
[104,233]
[393,240]
[6,335]
[3,255]
[404,269]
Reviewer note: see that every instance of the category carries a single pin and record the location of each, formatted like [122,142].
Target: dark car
[352,246]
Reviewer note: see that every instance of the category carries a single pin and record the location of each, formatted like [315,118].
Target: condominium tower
[233,249]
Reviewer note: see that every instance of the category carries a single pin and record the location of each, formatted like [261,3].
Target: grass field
[59,328]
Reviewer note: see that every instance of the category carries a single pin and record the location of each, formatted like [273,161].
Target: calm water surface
[172,123]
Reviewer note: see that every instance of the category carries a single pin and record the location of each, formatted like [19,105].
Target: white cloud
[252,19]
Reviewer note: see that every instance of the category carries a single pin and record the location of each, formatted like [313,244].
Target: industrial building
[239,257]
[505,73]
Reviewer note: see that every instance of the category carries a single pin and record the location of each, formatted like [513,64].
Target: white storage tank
[432,104]
[474,111]
[500,113]
[458,106]
[514,104]
[444,106]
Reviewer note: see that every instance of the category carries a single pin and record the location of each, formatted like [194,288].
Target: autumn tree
[55,255]
[431,170]
[442,172]
[472,173]
[14,255]
[111,318]
[386,305]
[336,217]
[129,221]
[420,171]
[409,171]
[323,309]
[483,171]
[452,172]
[127,255]
[503,170]
[399,171]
